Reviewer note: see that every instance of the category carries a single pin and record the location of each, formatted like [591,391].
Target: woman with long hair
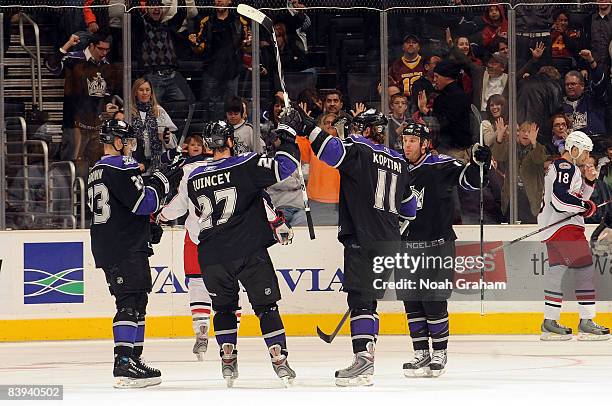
[495,124]
[152,125]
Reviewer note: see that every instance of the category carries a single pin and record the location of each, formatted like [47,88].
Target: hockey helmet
[370,118]
[116,128]
[216,134]
[415,129]
[579,140]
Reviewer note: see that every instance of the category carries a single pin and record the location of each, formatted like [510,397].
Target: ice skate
[128,375]
[588,330]
[229,364]
[553,331]
[152,375]
[438,363]
[361,372]
[201,343]
[419,365]
[281,365]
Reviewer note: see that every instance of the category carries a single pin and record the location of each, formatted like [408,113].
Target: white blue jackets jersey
[565,191]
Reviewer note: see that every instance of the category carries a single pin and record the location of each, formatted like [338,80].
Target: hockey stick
[539,230]
[328,338]
[482,292]
[266,22]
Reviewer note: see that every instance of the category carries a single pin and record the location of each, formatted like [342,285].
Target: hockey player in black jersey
[121,202]
[374,194]
[234,237]
[433,178]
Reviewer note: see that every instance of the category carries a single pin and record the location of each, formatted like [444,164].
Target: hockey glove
[481,155]
[282,231]
[590,208]
[285,134]
[156,231]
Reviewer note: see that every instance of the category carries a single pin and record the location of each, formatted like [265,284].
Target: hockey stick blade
[256,15]
[328,338]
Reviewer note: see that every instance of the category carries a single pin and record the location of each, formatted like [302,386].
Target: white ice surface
[487,370]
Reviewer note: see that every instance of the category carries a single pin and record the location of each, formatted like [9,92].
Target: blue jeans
[294,215]
[214,92]
[170,87]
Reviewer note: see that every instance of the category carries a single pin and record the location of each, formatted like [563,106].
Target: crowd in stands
[452,73]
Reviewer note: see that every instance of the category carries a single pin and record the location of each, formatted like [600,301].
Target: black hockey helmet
[417,130]
[216,134]
[116,128]
[370,118]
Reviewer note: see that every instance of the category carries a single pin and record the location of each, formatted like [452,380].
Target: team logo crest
[419,195]
[97,86]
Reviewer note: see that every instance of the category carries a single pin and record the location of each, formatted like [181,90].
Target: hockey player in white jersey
[199,298]
[566,193]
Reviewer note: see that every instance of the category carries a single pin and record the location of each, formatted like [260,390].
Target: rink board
[51,290]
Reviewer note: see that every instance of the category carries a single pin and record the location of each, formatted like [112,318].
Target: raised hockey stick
[266,22]
[328,338]
[539,230]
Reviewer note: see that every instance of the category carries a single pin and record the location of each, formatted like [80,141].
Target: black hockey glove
[156,231]
[282,231]
[285,134]
[481,155]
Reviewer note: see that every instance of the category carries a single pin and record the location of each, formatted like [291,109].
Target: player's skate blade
[281,365]
[361,371]
[229,364]
[553,331]
[588,330]
[418,367]
[437,365]
[128,375]
[201,343]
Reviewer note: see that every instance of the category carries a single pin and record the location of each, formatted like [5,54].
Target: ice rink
[481,370]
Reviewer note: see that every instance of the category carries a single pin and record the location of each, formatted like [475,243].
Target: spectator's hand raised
[533,133]
[72,41]
[538,51]
[304,107]
[422,100]
[359,108]
[587,55]
[93,27]
[449,37]
[500,129]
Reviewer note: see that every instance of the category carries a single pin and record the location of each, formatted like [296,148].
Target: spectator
[501,45]
[451,109]
[586,107]
[108,15]
[461,50]
[171,7]
[533,22]
[531,156]
[333,103]
[313,102]
[601,190]
[270,118]
[323,181]
[222,39]
[154,42]
[297,24]
[539,97]
[243,132]
[496,123]
[397,121]
[598,28]
[152,125]
[605,171]
[425,83]
[293,59]
[560,131]
[606,158]
[564,42]
[492,81]
[410,67]
[90,81]
[495,26]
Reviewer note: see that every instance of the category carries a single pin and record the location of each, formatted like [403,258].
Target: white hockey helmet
[579,140]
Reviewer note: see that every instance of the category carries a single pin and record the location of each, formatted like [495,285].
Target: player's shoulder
[368,144]
[117,163]
[225,163]
[439,160]
[563,165]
